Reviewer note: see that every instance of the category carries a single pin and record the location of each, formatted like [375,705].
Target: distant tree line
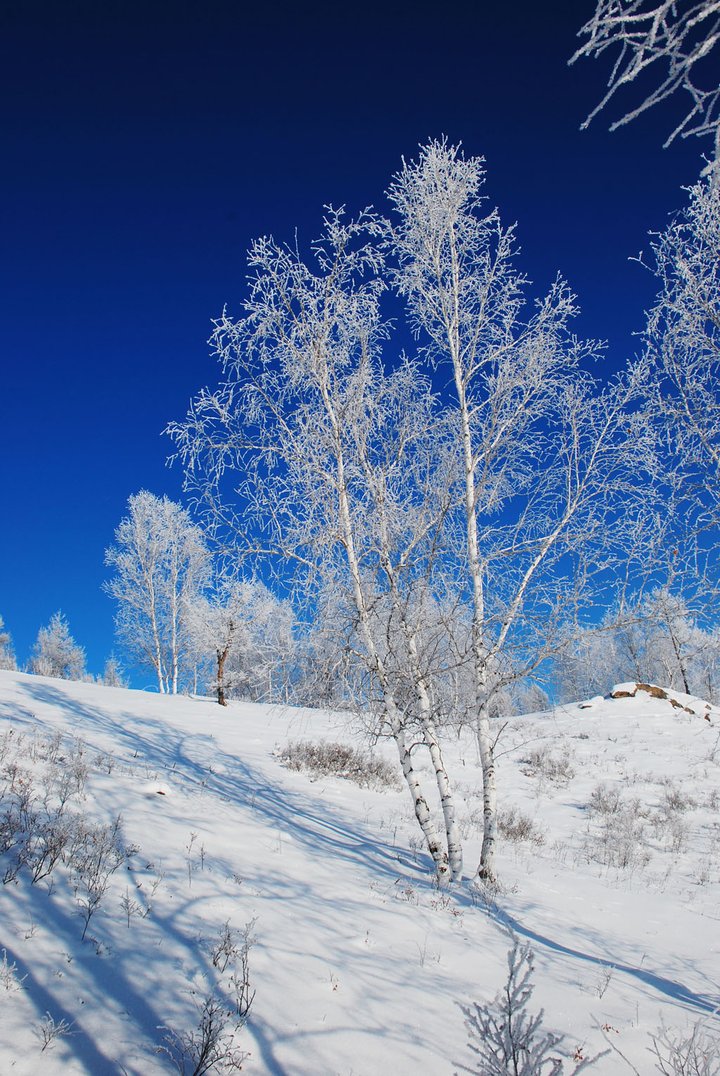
[55,653]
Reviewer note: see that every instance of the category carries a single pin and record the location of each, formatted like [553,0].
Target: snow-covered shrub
[675,799]
[623,826]
[34,831]
[339,760]
[604,800]
[97,852]
[9,979]
[48,1030]
[667,821]
[505,1038]
[210,1046]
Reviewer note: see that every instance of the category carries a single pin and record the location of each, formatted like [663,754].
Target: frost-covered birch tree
[682,351]
[657,640]
[683,341]
[341,467]
[247,632]
[446,538]
[665,631]
[161,563]
[669,47]
[546,459]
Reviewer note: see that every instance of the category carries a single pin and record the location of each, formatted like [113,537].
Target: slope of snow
[360,965]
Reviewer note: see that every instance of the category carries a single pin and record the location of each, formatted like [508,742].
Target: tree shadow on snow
[207,769]
[201,767]
[676,991]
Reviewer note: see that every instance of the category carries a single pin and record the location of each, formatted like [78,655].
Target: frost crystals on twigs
[506,1039]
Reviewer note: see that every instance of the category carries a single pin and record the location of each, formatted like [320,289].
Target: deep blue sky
[144,146]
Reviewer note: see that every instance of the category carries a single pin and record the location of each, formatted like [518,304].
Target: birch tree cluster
[181,616]
[442,509]
[412,446]
[160,561]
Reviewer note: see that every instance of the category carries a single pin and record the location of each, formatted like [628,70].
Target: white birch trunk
[454,840]
[447,801]
[158,661]
[423,814]
[486,869]
[174,613]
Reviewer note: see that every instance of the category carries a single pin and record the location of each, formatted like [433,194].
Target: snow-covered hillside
[610,867]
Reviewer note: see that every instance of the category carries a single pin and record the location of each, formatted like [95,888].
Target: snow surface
[360,964]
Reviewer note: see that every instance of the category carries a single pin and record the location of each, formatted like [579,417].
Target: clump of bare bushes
[687,1053]
[623,829]
[212,1044]
[516,826]
[329,759]
[41,782]
[542,763]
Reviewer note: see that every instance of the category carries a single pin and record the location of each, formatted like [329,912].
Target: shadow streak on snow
[194,758]
[167,749]
[18,715]
[112,979]
[206,768]
[264,1043]
[676,991]
[77,1043]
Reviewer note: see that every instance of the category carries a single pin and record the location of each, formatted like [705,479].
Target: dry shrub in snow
[674,799]
[208,1047]
[339,760]
[9,978]
[97,852]
[541,763]
[667,821]
[505,1038]
[516,826]
[618,838]
[49,1030]
[623,827]
[39,832]
[212,1045]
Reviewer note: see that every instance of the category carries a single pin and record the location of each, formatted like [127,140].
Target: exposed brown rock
[653,691]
